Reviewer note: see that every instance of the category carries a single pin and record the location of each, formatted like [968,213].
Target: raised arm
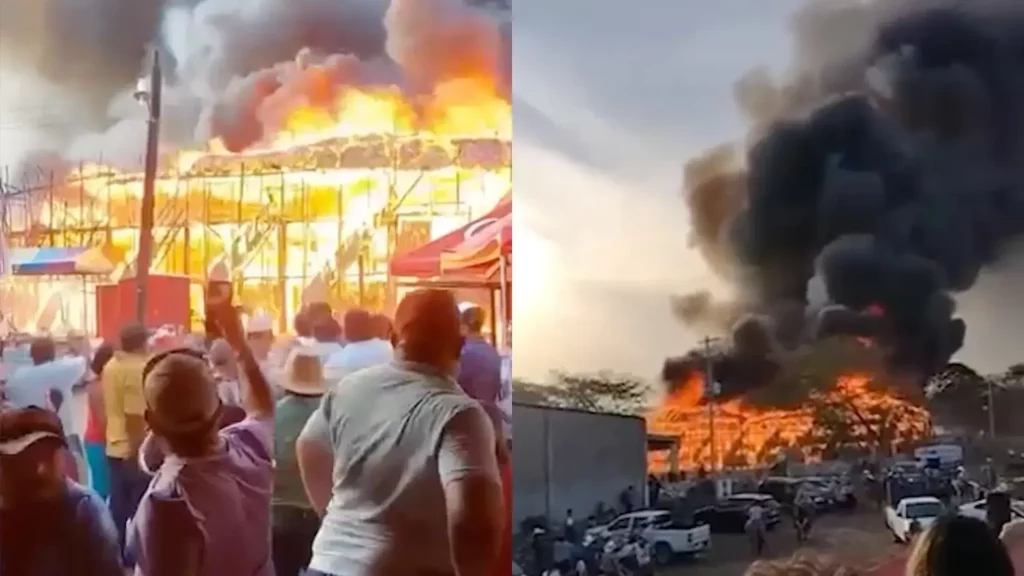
[258,398]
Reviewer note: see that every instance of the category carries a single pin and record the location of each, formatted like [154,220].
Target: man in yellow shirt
[125,409]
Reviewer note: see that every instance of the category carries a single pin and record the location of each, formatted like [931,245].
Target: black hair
[956,545]
[42,350]
[103,354]
[473,319]
[134,338]
[302,324]
[327,330]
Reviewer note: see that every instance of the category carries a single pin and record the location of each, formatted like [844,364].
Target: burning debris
[879,181]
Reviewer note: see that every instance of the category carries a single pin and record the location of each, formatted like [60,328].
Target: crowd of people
[363,445]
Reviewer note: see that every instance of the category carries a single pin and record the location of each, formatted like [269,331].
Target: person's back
[34,386]
[387,512]
[295,521]
[356,356]
[225,493]
[122,398]
[480,365]
[362,349]
[208,506]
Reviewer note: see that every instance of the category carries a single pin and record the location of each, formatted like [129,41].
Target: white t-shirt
[398,436]
[326,349]
[356,356]
[31,386]
[755,513]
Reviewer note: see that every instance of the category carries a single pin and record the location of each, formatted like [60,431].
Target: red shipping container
[167,301]
[108,311]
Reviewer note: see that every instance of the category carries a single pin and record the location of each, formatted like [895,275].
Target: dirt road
[859,539]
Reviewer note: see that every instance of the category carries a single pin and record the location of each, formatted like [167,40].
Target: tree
[599,392]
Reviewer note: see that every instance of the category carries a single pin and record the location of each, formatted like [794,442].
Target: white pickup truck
[667,540]
[919,510]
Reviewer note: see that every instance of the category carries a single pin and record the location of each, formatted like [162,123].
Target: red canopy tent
[482,253]
[477,254]
[470,253]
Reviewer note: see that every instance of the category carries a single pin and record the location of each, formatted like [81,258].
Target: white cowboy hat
[259,323]
[303,372]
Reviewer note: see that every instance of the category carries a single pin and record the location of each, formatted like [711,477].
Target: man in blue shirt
[480,365]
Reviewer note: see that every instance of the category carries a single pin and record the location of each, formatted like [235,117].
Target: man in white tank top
[415,486]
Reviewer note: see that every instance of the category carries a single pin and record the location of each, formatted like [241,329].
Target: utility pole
[710,393]
[991,411]
[151,98]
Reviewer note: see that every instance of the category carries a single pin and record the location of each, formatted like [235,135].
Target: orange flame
[749,436]
[467,107]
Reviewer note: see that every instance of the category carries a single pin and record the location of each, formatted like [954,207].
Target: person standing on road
[570,527]
[755,528]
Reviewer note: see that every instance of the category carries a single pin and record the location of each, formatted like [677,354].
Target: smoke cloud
[877,183]
[232,67]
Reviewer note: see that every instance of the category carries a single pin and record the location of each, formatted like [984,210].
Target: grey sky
[610,99]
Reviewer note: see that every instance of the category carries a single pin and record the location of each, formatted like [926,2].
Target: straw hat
[303,372]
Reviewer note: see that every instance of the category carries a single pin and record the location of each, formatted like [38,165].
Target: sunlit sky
[610,99]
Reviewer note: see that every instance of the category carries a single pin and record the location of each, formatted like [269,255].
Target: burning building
[852,416]
[879,178]
[312,173]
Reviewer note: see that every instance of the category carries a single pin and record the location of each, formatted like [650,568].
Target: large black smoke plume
[879,181]
[231,64]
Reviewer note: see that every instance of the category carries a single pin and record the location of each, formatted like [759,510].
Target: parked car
[824,492]
[911,515]
[730,514]
[668,538]
[782,488]
[978,510]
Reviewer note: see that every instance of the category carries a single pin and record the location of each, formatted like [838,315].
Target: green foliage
[600,392]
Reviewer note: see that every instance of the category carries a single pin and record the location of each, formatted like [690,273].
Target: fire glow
[752,436]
